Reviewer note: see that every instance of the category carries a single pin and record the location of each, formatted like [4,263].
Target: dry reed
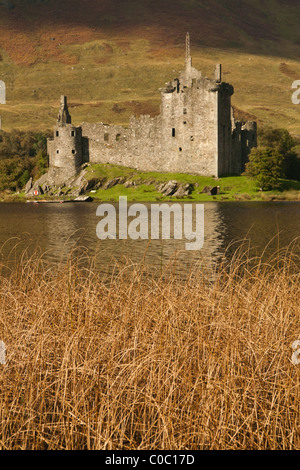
[135,361]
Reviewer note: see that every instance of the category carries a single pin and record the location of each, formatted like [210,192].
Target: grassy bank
[143,362]
[144,186]
[232,188]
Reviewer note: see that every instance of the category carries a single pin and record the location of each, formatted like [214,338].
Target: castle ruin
[194,133]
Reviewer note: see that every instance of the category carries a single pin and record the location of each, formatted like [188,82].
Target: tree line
[23,154]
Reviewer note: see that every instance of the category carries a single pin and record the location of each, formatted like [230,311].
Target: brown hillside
[32,31]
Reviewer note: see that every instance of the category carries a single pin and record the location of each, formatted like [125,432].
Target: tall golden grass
[136,361]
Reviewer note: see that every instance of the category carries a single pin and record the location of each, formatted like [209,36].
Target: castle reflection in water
[61,230]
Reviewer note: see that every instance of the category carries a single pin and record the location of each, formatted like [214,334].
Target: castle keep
[195,132]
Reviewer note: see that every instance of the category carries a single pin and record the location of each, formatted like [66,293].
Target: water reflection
[59,229]
[73,227]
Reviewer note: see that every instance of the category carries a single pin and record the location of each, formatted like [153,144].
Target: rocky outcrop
[175,189]
[168,189]
[211,190]
[184,190]
[113,182]
[55,183]
[28,185]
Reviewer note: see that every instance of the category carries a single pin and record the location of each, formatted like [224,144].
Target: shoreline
[106,182]
[24,200]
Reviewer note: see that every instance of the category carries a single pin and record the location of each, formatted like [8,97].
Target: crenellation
[195,132]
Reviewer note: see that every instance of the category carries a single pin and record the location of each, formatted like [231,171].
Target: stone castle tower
[65,150]
[195,132]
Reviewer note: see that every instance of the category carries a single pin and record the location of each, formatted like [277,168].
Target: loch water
[59,230]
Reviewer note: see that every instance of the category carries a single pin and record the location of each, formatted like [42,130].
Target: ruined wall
[189,131]
[144,144]
[194,133]
[136,147]
[103,143]
[184,138]
[249,140]
[236,149]
[224,129]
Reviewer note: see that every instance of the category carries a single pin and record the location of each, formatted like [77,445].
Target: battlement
[195,131]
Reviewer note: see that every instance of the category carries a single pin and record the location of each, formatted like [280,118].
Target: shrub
[22,155]
[266,165]
[285,144]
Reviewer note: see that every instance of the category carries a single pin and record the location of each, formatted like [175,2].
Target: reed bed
[143,361]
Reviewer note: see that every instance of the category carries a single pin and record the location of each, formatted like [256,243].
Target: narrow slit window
[73,151]
[173,132]
[57,133]
[72,133]
[106,137]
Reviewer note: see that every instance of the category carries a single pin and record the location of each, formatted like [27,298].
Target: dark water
[59,229]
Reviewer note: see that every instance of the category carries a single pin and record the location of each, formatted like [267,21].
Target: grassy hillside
[110,58]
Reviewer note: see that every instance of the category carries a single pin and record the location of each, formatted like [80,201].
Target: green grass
[231,187]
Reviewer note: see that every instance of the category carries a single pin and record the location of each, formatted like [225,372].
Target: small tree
[281,140]
[266,165]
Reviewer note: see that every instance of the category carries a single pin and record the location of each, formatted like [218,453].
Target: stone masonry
[194,133]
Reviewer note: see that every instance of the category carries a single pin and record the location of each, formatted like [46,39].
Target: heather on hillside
[111,61]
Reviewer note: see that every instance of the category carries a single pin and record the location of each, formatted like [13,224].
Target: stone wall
[194,133]
[65,149]
[249,140]
[189,131]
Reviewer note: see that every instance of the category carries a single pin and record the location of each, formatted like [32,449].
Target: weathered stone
[160,186]
[183,190]
[83,199]
[128,184]
[168,188]
[206,190]
[28,185]
[211,190]
[196,132]
[74,193]
[110,183]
